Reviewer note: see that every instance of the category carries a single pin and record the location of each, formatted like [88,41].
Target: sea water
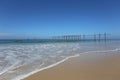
[19,60]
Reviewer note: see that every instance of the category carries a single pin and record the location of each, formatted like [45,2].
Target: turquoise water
[2,41]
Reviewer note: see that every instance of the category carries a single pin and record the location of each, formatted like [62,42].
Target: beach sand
[82,68]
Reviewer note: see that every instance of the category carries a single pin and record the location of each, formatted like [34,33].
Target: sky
[58,17]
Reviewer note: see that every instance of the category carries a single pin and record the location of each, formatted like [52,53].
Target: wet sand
[82,68]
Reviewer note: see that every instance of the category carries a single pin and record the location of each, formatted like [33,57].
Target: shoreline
[62,61]
[66,61]
[22,77]
[48,56]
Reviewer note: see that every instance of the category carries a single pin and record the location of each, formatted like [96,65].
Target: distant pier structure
[94,37]
[82,37]
[105,36]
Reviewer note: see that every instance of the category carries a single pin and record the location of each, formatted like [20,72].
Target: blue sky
[58,17]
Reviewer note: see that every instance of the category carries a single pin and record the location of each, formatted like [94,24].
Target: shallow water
[18,60]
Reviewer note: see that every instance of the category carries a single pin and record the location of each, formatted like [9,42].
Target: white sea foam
[9,68]
[23,76]
[77,55]
[14,58]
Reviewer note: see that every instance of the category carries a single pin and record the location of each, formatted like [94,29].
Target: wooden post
[66,37]
[99,35]
[63,37]
[105,36]
[71,37]
[83,37]
[77,37]
[74,37]
[94,37]
[80,37]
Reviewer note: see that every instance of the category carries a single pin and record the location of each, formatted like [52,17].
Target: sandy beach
[82,68]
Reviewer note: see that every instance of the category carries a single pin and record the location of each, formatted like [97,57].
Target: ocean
[21,59]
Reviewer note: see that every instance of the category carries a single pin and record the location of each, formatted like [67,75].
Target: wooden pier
[82,37]
[68,38]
